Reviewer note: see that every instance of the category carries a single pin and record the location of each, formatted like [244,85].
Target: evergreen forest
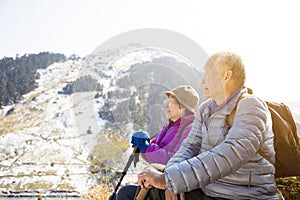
[18,75]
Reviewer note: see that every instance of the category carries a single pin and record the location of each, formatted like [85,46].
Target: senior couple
[207,157]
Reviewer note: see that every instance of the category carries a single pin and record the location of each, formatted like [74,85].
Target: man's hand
[170,195]
[150,177]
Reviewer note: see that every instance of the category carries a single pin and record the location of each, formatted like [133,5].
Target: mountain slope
[40,147]
[66,133]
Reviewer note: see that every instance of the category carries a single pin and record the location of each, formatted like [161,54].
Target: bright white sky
[265,33]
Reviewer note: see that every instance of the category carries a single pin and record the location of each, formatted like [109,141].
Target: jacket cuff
[175,179]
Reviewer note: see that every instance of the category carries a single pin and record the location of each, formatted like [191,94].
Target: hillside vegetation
[18,75]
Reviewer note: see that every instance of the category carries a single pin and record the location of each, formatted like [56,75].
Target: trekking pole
[133,157]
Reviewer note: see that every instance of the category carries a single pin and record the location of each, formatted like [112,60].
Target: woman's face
[173,110]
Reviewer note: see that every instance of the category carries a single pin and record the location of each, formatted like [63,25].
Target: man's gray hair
[233,62]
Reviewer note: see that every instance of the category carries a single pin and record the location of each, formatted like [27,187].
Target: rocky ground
[289,187]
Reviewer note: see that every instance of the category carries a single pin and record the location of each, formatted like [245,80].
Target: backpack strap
[183,128]
[231,116]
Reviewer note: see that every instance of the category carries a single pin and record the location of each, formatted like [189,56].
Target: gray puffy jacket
[225,162]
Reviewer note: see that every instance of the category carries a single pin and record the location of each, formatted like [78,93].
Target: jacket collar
[226,106]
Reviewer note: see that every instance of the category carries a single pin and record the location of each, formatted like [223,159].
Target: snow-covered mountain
[66,135]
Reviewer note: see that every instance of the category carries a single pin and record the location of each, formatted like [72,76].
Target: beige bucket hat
[186,95]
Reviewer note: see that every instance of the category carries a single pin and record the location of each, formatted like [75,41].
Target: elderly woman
[180,108]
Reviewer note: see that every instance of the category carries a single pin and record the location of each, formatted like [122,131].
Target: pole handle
[142,194]
[135,150]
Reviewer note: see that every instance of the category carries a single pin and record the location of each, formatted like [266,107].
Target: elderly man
[220,158]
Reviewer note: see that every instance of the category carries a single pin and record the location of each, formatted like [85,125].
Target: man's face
[213,81]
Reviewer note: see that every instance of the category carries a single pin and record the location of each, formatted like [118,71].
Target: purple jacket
[167,142]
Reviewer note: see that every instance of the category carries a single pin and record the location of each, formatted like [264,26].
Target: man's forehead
[211,64]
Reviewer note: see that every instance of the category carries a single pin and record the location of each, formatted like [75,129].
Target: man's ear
[228,75]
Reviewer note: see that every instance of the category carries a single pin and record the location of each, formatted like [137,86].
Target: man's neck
[228,92]
[215,106]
